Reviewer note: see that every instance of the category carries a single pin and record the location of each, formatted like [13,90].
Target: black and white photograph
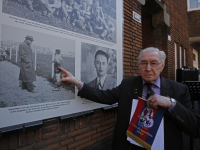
[94,18]
[29,64]
[98,66]
[37,37]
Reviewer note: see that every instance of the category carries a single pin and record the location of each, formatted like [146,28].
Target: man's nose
[100,65]
[148,67]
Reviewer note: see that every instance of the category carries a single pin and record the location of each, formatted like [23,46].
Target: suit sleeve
[100,96]
[185,116]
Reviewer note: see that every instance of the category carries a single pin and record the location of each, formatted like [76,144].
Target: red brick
[51,147]
[109,121]
[22,139]
[50,129]
[194,23]
[85,135]
[97,115]
[76,124]
[80,131]
[67,124]
[103,128]
[96,135]
[38,135]
[13,141]
[61,128]
[27,148]
[71,127]
[81,123]
[3,143]
[105,136]
[65,142]
[85,145]
[96,121]
[50,141]
[87,121]
[75,144]
[50,122]
[63,148]
[49,135]
[108,131]
[30,137]
[96,126]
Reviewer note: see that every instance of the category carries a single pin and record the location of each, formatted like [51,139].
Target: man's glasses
[152,64]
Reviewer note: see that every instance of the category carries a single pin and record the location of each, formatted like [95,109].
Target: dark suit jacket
[184,117]
[109,83]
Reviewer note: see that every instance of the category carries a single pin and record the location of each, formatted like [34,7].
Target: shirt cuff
[171,108]
[81,87]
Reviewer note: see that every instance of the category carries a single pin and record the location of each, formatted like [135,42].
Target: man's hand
[155,101]
[68,77]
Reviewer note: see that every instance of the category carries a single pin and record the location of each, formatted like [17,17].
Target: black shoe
[23,88]
[32,91]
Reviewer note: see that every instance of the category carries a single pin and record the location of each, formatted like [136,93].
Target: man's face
[101,65]
[148,73]
[29,42]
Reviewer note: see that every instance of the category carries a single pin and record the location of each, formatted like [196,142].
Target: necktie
[150,91]
[99,84]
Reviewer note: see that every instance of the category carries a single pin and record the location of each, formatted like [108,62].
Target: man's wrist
[173,105]
[78,84]
[173,101]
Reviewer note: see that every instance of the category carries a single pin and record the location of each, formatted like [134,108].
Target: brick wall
[194,30]
[178,31]
[132,38]
[194,23]
[90,132]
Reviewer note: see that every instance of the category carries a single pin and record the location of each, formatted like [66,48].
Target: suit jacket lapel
[165,88]
[138,88]
[95,83]
[104,86]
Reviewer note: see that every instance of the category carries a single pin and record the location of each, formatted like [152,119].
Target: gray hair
[162,53]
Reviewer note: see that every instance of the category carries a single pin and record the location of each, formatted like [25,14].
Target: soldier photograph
[93,18]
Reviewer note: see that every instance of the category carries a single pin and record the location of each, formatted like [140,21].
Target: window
[180,57]
[184,57]
[195,58]
[175,60]
[193,5]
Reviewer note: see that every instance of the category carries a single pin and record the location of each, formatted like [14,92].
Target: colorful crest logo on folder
[145,123]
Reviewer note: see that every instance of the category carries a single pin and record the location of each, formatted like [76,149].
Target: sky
[40,39]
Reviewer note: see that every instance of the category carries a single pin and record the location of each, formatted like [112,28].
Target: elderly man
[174,97]
[27,73]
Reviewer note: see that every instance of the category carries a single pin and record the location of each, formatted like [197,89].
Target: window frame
[195,62]
[191,9]
[175,60]
[180,56]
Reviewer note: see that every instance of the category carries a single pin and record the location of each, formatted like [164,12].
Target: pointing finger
[63,70]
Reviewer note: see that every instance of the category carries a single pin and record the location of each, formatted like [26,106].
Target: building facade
[194,29]
[165,24]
